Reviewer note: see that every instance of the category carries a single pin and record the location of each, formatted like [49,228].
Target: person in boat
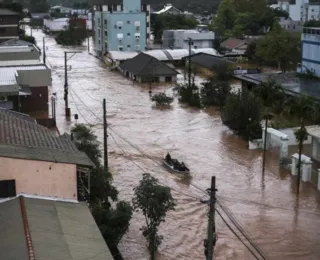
[168,157]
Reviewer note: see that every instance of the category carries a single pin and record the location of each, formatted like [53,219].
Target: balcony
[311,31]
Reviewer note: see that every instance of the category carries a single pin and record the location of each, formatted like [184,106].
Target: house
[16,52]
[236,46]
[145,68]
[55,25]
[169,9]
[60,9]
[104,8]
[36,161]
[179,39]
[25,89]
[310,59]
[9,27]
[34,227]
[290,25]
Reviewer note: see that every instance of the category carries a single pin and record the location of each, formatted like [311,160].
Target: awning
[25,91]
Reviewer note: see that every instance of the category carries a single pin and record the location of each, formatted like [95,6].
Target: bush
[214,93]
[162,99]
[241,113]
[28,38]
[74,35]
[189,95]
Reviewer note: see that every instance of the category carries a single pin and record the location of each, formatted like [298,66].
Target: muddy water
[283,226]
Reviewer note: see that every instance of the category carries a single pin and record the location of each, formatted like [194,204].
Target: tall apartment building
[310,59]
[122,25]
[9,25]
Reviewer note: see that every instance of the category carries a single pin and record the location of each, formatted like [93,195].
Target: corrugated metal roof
[5,49]
[5,63]
[12,239]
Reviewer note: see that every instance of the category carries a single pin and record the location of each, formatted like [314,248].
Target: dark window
[168,79]
[148,35]
[144,7]
[121,7]
[110,8]
[7,188]
[128,34]
[147,13]
[120,49]
[148,24]
[128,22]
[129,46]
[2,30]
[114,7]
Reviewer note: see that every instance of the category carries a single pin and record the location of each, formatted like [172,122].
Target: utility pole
[44,50]
[302,136]
[88,44]
[267,117]
[210,242]
[189,60]
[105,135]
[66,92]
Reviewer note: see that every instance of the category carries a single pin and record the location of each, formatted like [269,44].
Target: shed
[146,68]
[208,61]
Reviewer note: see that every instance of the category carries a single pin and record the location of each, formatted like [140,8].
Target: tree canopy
[38,6]
[162,22]
[279,46]
[245,17]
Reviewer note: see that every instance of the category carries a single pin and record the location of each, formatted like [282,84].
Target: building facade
[9,25]
[310,41]
[119,24]
[179,39]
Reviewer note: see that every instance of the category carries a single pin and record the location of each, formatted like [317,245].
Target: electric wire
[233,231]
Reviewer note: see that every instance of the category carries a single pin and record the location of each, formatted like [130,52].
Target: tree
[242,114]
[154,201]
[189,95]
[38,6]
[214,92]
[312,23]
[279,46]
[113,222]
[75,34]
[161,99]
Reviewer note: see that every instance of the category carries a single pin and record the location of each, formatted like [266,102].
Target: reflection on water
[283,226]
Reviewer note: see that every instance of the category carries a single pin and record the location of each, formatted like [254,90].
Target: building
[310,60]
[37,228]
[290,25]
[145,68]
[61,9]
[16,52]
[9,26]
[104,8]
[208,61]
[179,39]
[299,10]
[25,89]
[236,46]
[36,161]
[169,9]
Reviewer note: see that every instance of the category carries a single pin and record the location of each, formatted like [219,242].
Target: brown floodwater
[281,225]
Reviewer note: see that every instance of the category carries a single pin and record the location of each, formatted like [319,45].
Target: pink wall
[36,177]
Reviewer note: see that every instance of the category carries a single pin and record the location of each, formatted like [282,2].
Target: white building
[310,59]
[179,39]
[297,12]
[56,25]
[314,11]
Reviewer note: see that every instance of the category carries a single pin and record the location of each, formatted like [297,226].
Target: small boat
[174,165]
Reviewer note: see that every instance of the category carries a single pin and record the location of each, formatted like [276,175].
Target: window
[312,10]
[128,46]
[168,79]
[128,34]
[120,27]
[7,188]
[99,21]
[120,49]
[3,30]
[1,20]
[148,24]
[120,41]
[128,22]
[106,33]
[105,21]
[137,28]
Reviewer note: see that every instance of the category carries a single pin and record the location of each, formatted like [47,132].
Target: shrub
[214,93]
[161,99]
[189,95]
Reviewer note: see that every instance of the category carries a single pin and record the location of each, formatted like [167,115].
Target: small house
[145,68]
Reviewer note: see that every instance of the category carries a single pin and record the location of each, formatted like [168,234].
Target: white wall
[311,51]
[292,138]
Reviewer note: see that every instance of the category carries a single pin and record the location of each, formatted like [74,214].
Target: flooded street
[267,208]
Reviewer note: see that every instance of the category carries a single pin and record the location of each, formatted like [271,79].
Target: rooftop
[58,230]
[233,43]
[292,84]
[4,11]
[146,65]
[166,8]
[208,61]
[22,138]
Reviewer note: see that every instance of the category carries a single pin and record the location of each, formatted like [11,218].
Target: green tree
[154,201]
[242,114]
[75,34]
[189,95]
[214,92]
[113,222]
[38,6]
[161,99]
[279,46]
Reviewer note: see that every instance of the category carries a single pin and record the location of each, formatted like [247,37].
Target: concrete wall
[41,178]
[292,138]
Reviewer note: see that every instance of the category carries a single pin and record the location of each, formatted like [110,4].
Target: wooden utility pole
[88,44]
[44,50]
[67,109]
[265,145]
[211,237]
[301,139]
[189,61]
[105,135]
